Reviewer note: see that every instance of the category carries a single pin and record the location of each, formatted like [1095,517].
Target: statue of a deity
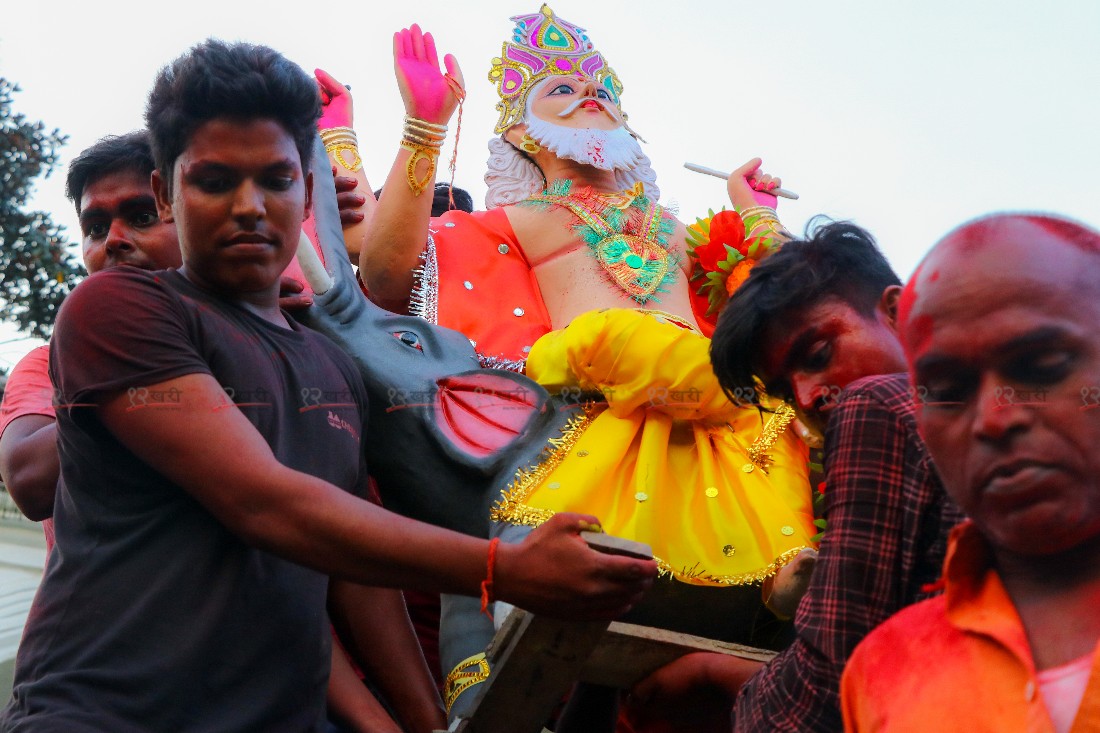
[576,276]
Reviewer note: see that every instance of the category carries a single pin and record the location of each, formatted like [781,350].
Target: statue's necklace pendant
[626,233]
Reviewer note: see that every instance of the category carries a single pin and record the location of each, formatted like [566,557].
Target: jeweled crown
[544,45]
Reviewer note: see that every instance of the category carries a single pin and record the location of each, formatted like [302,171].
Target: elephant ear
[489,412]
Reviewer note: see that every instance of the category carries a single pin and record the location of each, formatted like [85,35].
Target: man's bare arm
[374,625]
[204,449]
[351,703]
[29,464]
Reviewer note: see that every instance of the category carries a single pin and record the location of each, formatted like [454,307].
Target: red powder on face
[596,153]
[994,234]
[917,334]
[988,230]
[1070,232]
[914,332]
[907,297]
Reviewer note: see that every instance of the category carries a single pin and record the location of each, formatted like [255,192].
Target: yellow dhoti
[720,492]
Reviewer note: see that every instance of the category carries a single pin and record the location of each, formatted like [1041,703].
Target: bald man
[1000,330]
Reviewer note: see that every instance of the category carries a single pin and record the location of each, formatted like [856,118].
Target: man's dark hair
[441,200]
[129,152]
[834,260]
[240,81]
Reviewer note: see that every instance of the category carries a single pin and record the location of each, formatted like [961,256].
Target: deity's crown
[544,46]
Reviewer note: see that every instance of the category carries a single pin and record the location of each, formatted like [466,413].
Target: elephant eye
[409,338]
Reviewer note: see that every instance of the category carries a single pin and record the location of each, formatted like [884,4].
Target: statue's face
[577,102]
[575,118]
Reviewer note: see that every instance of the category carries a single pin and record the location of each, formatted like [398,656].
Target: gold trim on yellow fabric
[758,451]
[467,673]
[681,322]
[513,507]
[757,576]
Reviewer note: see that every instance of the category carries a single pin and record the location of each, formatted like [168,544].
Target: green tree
[37,270]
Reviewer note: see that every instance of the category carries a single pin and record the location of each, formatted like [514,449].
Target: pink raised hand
[424,88]
[748,186]
[336,103]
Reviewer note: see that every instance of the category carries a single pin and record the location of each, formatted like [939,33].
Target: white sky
[905,117]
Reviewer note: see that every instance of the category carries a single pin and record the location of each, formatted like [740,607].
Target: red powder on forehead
[914,332]
[969,238]
[917,334]
[992,231]
[1070,232]
[908,296]
[987,231]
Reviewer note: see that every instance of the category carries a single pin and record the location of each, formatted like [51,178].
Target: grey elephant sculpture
[446,435]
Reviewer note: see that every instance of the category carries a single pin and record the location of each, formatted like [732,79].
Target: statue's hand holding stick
[780,192]
[753,193]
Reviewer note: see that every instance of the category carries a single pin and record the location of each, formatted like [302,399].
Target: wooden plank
[533,662]
[628,653]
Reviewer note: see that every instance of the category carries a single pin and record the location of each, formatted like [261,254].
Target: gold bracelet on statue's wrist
[336,150]
[759,211]
[334,134]
[426,126]
[419,152]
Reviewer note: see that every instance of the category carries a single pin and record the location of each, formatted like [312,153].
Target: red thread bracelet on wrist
[487,584]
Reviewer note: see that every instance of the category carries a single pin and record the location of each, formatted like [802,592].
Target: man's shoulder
[108,301]
[913,650]
[882,387]
[28,390]
[35,360]
[881,404]
[114,276]
[120,284]
[31,371]
[890,392]
[922,626]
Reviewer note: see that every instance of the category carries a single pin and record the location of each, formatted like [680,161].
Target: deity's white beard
[609,150]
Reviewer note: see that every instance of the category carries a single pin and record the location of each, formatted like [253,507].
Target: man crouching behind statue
[574,237]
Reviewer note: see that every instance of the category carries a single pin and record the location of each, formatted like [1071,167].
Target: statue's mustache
[578,102]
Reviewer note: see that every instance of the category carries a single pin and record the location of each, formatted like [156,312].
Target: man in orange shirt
[1006,388]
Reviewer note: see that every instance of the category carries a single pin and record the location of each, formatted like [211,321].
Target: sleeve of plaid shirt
[871,455]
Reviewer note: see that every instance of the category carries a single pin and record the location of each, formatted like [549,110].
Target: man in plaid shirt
[815,322]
